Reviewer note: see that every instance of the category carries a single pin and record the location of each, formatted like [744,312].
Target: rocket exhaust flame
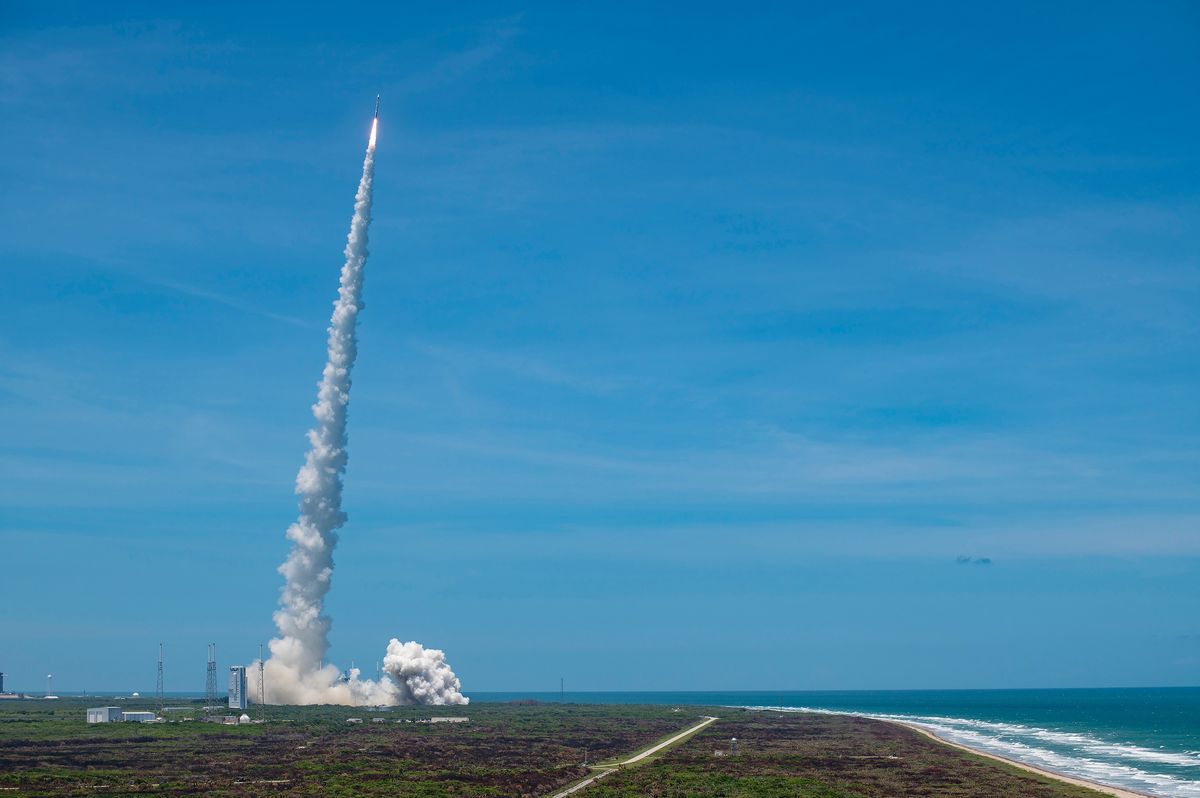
[295,672]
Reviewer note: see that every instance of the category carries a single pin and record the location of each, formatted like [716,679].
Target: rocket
[374,125]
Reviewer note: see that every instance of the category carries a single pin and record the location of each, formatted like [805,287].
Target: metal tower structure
[210,684]
[159,688]
[262,690]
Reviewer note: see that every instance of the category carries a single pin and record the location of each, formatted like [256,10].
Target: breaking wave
[1157,772]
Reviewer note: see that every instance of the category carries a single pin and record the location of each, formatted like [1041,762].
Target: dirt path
[601,773]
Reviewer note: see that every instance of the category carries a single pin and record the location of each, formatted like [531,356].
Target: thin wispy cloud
[36,67]
[235,303]
[496,37]
[465,360]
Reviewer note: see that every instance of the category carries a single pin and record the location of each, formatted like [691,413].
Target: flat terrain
[505,750]
[46,748]
[823,756]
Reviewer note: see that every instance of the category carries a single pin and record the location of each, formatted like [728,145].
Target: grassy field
[46,748]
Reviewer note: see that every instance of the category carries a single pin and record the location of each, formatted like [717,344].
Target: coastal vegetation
[524,749]
[788,755]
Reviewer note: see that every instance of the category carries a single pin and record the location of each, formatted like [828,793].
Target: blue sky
[697,351]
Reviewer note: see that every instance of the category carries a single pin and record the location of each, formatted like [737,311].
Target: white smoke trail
[295,672]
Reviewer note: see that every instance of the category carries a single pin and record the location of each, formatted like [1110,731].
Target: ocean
[1141,739]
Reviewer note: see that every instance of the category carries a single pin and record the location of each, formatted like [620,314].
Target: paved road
[637,757]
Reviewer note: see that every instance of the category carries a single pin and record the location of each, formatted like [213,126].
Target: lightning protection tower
[159,688]
[210,684]
[262,690]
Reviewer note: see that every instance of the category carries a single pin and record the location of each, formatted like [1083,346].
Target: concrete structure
[104,715]
[237,687]
[139,717]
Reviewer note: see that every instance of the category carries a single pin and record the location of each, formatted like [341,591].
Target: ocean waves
[1153,771]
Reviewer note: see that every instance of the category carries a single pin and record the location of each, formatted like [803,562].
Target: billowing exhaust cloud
[295,672]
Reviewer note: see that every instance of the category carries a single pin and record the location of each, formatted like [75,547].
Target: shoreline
[1119,792]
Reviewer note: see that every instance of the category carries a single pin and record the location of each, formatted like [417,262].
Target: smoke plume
[295,672]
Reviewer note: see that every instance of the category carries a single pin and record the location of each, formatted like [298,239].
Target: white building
[139,717]
[237,687]
[104,715]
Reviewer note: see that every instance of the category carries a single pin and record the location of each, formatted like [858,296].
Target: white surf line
[635,758]
[1119,792]
[1107,789]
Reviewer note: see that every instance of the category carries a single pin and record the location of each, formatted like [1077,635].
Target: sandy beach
[1104,788]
